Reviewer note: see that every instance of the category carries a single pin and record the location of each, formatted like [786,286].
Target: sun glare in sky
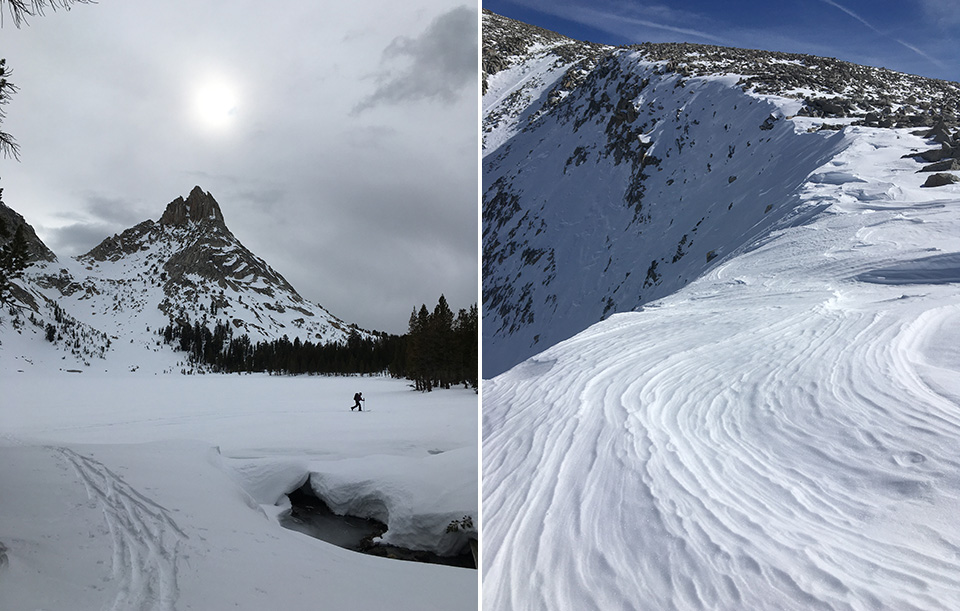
[215,103]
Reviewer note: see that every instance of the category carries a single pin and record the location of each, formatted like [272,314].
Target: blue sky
[914,36]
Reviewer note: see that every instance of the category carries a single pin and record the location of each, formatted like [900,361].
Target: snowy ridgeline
[781,433]
[138,491]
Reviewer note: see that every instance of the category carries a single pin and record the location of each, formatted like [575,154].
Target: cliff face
[37,249]
[192,243]
[200,207]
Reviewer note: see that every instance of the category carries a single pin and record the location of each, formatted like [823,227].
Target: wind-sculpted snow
[780,434]
[928,270]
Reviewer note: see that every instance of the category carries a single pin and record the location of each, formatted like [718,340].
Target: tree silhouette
[21,9]
[8,146]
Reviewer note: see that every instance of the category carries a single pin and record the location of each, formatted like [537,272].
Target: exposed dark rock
[947,165]
[945,152]
[843,89]
[199,207]
[35,246]
[505,38]
[941,133]
[939,180]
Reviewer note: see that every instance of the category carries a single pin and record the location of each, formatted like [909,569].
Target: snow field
[781,433]
[137,491]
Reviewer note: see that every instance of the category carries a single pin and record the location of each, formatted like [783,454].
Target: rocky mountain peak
[199,207]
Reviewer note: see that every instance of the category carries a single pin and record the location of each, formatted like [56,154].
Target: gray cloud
[77,238]
[440,62]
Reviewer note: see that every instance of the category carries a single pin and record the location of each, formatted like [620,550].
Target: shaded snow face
[636,183]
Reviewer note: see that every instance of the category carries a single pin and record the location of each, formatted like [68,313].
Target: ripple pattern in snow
[782,434]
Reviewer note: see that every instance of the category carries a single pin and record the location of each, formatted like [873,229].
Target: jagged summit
[199,207]
[199,215]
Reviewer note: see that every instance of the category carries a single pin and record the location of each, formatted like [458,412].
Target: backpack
[356,397]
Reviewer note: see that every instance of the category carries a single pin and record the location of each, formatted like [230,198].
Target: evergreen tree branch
[20,10]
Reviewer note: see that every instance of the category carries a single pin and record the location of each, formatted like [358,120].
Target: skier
[357,398]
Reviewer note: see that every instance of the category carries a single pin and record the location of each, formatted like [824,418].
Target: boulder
[947,165]
[941,179]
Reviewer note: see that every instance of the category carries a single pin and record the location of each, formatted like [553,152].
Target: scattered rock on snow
[940,179]
[948,165]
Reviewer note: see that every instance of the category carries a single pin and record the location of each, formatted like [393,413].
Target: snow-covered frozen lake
[141,491]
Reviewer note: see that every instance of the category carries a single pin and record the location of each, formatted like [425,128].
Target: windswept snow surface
[782,433]
[134,491]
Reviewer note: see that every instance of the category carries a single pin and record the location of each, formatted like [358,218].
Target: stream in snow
[312,516]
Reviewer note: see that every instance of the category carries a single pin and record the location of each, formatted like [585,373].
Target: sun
[216,104]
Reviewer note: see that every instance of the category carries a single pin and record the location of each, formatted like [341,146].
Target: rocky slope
[614,176]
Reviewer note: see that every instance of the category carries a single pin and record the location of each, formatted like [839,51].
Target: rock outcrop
[940,180]
[35,246]
[199,207]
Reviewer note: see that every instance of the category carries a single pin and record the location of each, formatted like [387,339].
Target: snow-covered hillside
[613,177]
[775,426]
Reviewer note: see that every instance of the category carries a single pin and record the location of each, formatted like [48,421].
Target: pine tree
[441,344]
[16,255]
[466,332]
[21,9]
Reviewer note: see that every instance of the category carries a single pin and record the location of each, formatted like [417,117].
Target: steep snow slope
[593,213]
[526,71]
[779,434]
[613,177]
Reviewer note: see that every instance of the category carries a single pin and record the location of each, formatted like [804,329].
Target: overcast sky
[340,138]
[914,36]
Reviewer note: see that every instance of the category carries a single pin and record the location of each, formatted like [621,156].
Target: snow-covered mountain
[185,267]
[768,415]
[614,176]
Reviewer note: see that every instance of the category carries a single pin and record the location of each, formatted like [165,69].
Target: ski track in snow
[145,539]
[778,435]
